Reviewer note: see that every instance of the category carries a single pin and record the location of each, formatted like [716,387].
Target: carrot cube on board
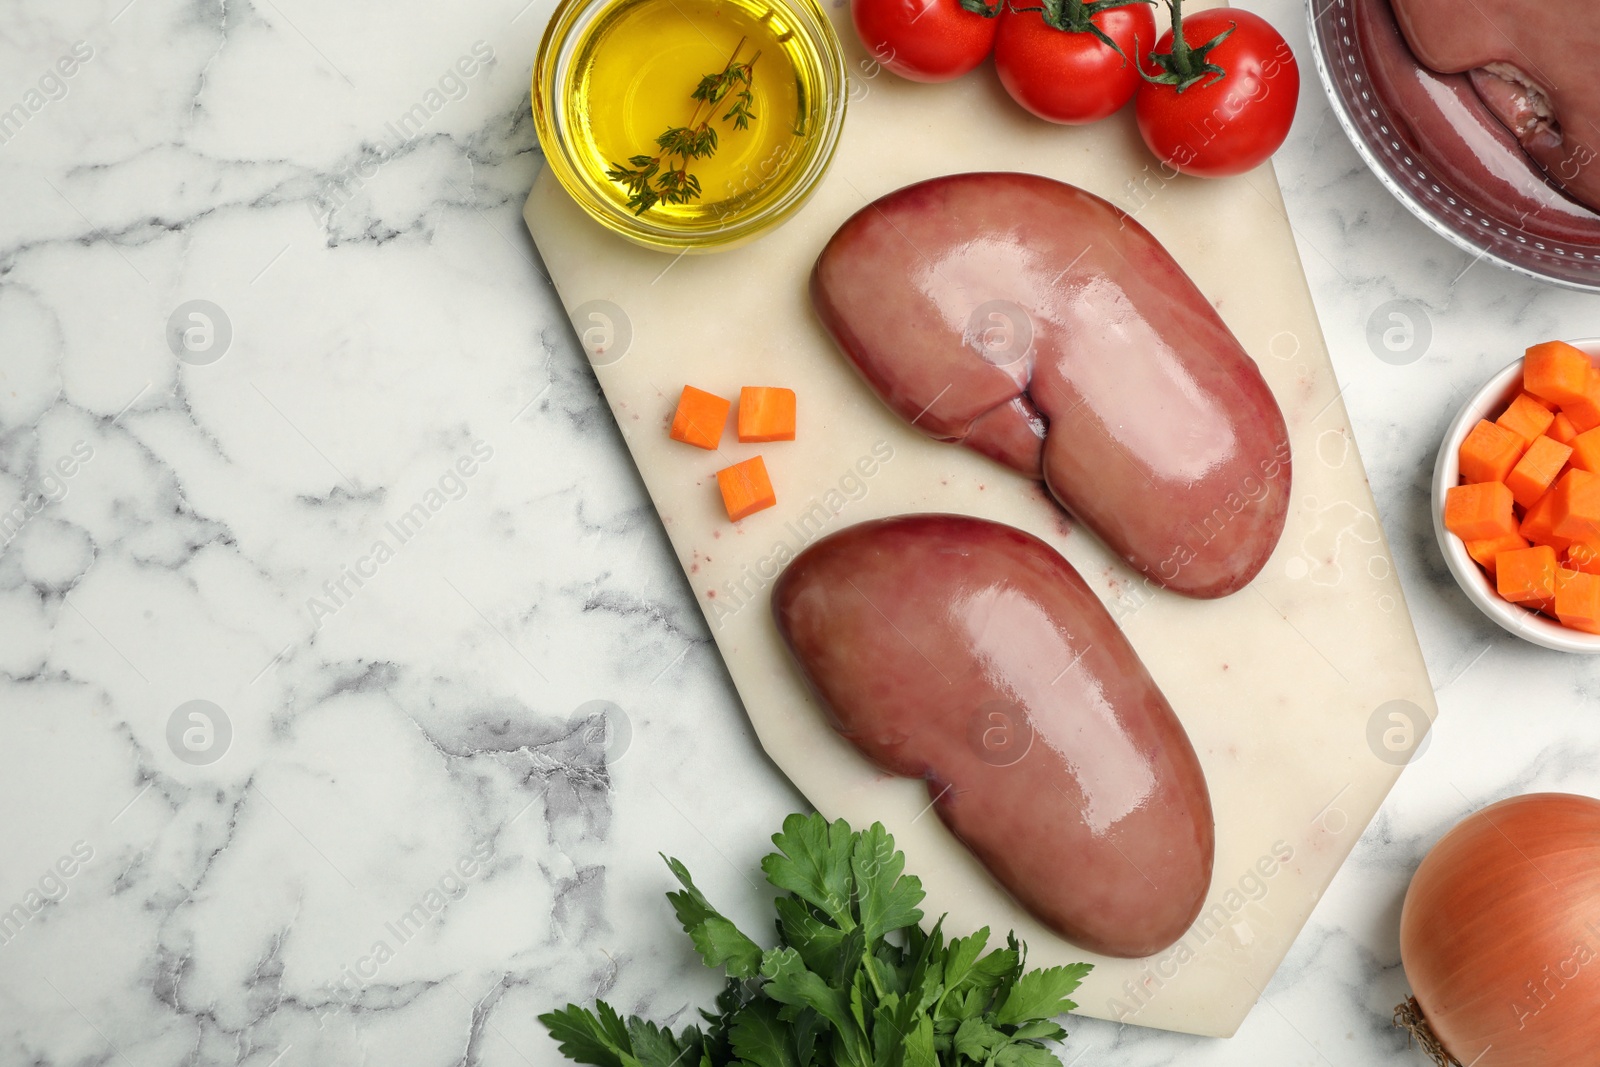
[1489,452]
[766,413]
[1474,512]
[700,418]
[1557,372]
[1536,470]
[1575,512]
[1526,417]
[1561,429]
[746,489]
[1578,601]
[1526,575]
[1486,550]
[1538,525]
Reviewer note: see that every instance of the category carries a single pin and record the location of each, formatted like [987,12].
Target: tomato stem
[983,7]
[1184,65]
[1075,16]
[1408,1017]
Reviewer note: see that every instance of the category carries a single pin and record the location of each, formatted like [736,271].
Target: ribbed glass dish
[1485,230]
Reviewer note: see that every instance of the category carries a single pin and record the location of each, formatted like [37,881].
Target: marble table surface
[319,550]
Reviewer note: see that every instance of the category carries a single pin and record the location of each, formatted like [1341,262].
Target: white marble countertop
[393,757]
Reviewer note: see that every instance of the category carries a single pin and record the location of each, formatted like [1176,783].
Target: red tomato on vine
[1070,61]
[1220,93]
[926,40]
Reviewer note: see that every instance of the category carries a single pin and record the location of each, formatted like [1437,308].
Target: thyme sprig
[664,178]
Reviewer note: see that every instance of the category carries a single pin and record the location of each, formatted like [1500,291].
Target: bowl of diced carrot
[1516,496]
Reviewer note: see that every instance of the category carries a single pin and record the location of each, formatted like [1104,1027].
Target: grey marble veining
[450,761]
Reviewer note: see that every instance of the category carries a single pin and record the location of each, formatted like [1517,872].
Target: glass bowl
[760,203]
[1484,230]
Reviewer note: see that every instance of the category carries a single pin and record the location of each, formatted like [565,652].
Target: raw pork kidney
[1041,326]
[971,654]
[1533,65]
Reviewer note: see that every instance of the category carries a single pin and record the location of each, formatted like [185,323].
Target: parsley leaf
[919,1045]
[818,941]
[761,1039]
[1039,1029]
[853,982]
[1042,994]
[960,956]
[887,901]
[789,982]
[976,1039]
[585,1038]
[653,1046]
[813,863]
[718,941]
[1024,1054]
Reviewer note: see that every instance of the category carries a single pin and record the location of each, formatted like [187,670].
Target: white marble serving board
[1286,688]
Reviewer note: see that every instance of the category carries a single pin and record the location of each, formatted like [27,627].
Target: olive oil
[633,76]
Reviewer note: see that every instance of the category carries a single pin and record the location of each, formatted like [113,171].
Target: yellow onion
[1500,935]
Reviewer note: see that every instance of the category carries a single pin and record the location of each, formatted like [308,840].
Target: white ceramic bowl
[1528,625]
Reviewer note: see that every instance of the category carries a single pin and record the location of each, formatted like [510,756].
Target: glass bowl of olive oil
[689,125]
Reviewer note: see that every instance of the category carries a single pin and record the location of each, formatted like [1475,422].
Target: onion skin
[1500,934]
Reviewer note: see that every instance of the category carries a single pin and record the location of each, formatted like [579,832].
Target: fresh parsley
[853,981]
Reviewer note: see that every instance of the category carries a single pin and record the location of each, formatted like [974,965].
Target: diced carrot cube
[1584,411]
[1489,452]
[1557,372]
[766,413]
[1578,601]
[1486,550]
[1583,556]
[1575,512]
[1538,525]
[1526,574]
[700,418]
[1586,451]
[1526,417]
[1536,470]
[1561,429]
[746,489]
[1481,510]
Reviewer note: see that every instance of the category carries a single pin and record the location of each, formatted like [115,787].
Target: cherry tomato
[924,40]
[1228,125]
[1070,75]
